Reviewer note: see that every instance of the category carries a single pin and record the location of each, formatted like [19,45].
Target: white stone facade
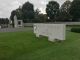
[52,31]
[17,23]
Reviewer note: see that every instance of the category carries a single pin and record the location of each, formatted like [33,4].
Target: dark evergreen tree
[64,11]
[28,12]
[75,10]
[52,9]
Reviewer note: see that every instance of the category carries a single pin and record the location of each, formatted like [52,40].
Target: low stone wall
[28,24]
[67,23]
[52,31]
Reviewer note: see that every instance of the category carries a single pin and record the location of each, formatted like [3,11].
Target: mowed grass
[25,46]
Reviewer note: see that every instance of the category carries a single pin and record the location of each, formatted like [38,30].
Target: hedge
[77,30]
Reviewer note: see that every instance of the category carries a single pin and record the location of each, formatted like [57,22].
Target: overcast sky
[6,6]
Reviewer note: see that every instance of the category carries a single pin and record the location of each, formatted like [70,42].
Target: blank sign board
[52,31]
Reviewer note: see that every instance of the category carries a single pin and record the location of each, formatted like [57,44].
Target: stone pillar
[15,22]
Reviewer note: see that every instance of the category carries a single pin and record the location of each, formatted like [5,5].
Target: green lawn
[25,46]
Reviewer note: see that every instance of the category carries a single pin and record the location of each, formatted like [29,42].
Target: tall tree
[39,17]
[75,10]
[19,13]
[64,10]
[37,11]
[28,11]
[65,6]
[13,13]
[52,9]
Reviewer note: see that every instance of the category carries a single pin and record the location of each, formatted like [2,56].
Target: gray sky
[6,6]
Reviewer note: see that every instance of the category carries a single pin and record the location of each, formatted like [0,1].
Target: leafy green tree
[64,10]
[43,18]
[19,13]
[52,9]
[75,10]
[27,11]
[65,7]
[37,11]
[13,13]
[39,17]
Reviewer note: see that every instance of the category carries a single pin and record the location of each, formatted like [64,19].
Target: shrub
[77,30]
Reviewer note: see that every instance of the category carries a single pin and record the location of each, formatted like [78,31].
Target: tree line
[4,21]
[68,11]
